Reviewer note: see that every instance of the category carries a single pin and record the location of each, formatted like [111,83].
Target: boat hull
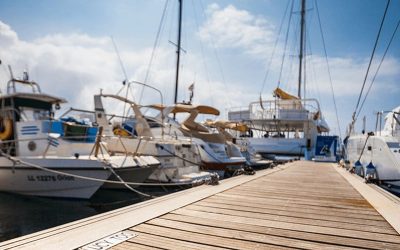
[28,180]
[130,174]
[381,151]
[278,146]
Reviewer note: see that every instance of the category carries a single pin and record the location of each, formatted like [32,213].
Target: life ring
[6,129]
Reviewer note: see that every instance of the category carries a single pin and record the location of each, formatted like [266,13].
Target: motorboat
[231,131]
[44,156]
[216,154]
[376,155]
[179,158]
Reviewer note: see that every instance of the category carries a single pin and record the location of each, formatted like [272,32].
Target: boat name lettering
[45,178]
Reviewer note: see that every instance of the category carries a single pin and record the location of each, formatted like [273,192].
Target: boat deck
[302,205]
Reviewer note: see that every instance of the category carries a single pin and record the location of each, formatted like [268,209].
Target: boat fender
[356,168]
[370,173]
[6,128]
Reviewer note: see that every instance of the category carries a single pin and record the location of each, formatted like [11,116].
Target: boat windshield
[30,114]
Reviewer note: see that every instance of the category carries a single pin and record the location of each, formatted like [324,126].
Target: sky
[231,50]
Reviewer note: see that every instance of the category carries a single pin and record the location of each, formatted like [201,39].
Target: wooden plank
[291,234]
[312,192]
[293,220]
[133,246]
[342,202]
[388,209]
[294,208]
[162,242]
[296,200]
[241,235]
[199,238]
[291,226]
[297,214]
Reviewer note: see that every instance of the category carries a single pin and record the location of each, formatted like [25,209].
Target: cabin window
[393,145]
[29,114]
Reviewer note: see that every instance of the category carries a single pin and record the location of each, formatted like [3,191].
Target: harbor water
[21,215]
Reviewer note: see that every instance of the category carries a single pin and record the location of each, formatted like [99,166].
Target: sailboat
[44,156]
[288,125]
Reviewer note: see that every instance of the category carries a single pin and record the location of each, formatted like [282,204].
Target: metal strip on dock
[302,205]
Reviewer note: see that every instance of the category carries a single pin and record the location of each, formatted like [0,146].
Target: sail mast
[302,42]
[178,51]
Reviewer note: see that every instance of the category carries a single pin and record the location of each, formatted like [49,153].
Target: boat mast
[178,51]
[302,43]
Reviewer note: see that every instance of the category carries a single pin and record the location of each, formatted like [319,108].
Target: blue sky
[66,47]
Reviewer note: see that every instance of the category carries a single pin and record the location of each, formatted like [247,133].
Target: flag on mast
[191,89]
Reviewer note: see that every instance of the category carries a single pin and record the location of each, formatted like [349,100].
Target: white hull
[32,181]
[214,157]
[130,174]
[178,158]
[189,175]
[382,151]
[276,146]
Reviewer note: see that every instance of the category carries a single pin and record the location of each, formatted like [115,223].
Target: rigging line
[121,65]
[286,40]
[370,61]
[218,61]
[293,47]
[155,45]
[119,58]
[123,70]
[313,75]
[328,68]
[126,97]
[377,70]
[275,45]
[203,53]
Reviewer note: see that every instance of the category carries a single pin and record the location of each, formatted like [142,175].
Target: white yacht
[43,156]
[286,126]
[376,155]
[216,153]
[179,158]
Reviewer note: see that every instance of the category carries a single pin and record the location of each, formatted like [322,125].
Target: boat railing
[303,109]
[239,114]
[12,89]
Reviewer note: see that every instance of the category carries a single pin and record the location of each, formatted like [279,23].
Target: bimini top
[187,108]
[278,92]
[238,126]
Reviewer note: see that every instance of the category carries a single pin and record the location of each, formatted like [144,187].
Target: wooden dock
[301,205]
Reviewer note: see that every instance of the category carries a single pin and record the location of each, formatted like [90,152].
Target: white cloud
[8,37]
[233,28]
